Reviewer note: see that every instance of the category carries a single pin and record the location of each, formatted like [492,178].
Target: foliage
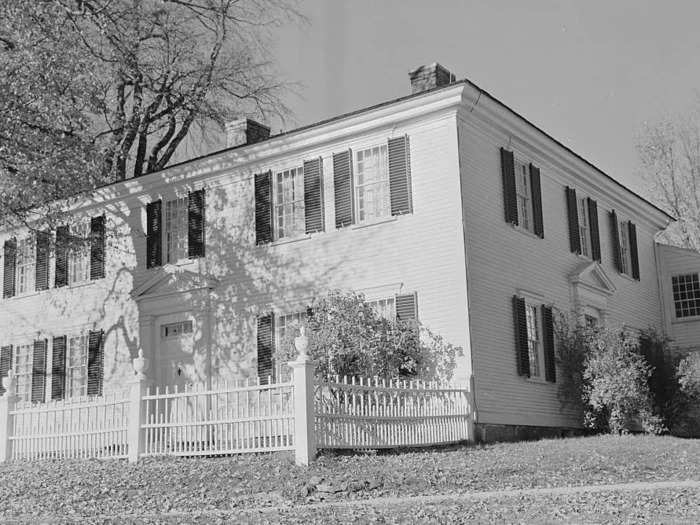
[604,369]
[688,374]
[102,90]
[348,337]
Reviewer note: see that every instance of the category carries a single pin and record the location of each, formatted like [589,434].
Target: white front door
[176,345]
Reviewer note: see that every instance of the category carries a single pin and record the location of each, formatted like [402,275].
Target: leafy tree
[93,91]
[348,337]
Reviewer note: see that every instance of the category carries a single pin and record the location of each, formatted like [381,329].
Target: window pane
[533,339]
[372,183]
[289,207]
[686,294]
[175,230]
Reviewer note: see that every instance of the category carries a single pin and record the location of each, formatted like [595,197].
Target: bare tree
[669,150]
[93,91]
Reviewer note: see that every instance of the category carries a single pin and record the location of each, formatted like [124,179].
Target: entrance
[176,345]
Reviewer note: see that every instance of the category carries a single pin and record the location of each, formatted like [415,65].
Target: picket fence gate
[230,418]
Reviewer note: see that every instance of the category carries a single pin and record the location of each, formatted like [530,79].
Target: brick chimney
[430,76]
[245,131]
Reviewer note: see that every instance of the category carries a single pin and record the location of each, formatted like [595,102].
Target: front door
[176,344]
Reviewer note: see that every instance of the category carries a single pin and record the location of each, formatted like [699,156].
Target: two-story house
[444,205]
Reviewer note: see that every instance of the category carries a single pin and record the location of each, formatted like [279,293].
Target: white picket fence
[373,413]
[301,415]
[224,420]
[87,428]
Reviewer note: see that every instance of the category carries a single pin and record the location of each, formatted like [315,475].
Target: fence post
[304,422]
[7,404]
[137,415]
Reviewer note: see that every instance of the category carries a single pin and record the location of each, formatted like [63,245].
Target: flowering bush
[348,337]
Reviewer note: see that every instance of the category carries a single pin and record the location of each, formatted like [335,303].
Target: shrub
[605,376]
[348,337]
[688,375]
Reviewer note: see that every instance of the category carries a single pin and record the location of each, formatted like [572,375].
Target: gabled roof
[171,279]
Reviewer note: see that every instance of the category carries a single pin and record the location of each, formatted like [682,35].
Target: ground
[606,479]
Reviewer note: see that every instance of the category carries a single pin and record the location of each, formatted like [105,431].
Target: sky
[590,73]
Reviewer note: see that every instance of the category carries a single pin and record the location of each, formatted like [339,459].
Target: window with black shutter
[510,202]
[58,367]
[5,364]
[62,251]
[550,372]
[266,348]
[595,234]
[41,281]
[154,255]
[400,176]
[313,195]
[9,265]
[39,371]
[343,189]
[97,247]
[522,353]
[634,256]
[615,240]
[572,212]
[263,208]
[536,189]
[95,367]
[196,220]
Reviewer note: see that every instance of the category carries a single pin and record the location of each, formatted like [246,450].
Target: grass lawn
[244,486]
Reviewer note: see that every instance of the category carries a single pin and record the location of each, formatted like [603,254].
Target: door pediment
[592,277]
[171,279]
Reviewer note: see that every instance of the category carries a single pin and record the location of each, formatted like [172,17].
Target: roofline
[464,81]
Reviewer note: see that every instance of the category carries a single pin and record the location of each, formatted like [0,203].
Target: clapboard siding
[685,332]
[503,260]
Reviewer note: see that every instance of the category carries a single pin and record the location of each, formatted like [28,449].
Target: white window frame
[25,266]
[289,209]
[79,254]
[689,292]
[372,188]
[523,195]
[384,307]
[175,244]
[625,253]
[533,314]
[76,379]
[584,227]
[22,366]
[176,329]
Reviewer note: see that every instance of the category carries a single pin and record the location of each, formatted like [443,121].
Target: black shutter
[9,263]
[536,186]
[154,237]
[62,247]
[343,188]
[196,222]
[634,256]
[39,371]
[550,369]
[399,176]
[263,208]
[313,195]
[95,363]
[406,307]
[5,364]
[58,367]
[42,261]
[615,239]
[510,201]
[572,210]
[266,348]
[522,352]
[593,225]
[97,247]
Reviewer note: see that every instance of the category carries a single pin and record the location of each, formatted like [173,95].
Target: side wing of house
[547,236]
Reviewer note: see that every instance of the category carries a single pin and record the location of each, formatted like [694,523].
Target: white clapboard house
[444,205]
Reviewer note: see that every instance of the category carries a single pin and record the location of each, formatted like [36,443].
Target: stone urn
[140,365]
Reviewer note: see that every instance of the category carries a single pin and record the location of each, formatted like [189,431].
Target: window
[384,307]
[524,195]
[625,261]
[77,366]
[372,183]
[289,209]
[23,371]
[583,227]
[171,330]
[686,295]
[175,230]
[79,255]
[533,339]
[26,265]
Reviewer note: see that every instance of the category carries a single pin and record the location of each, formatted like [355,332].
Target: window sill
[81,284]
[538,380]
[628,277]
[528,233]
[290,240]
[383,220]
[689,319]
[25,295]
